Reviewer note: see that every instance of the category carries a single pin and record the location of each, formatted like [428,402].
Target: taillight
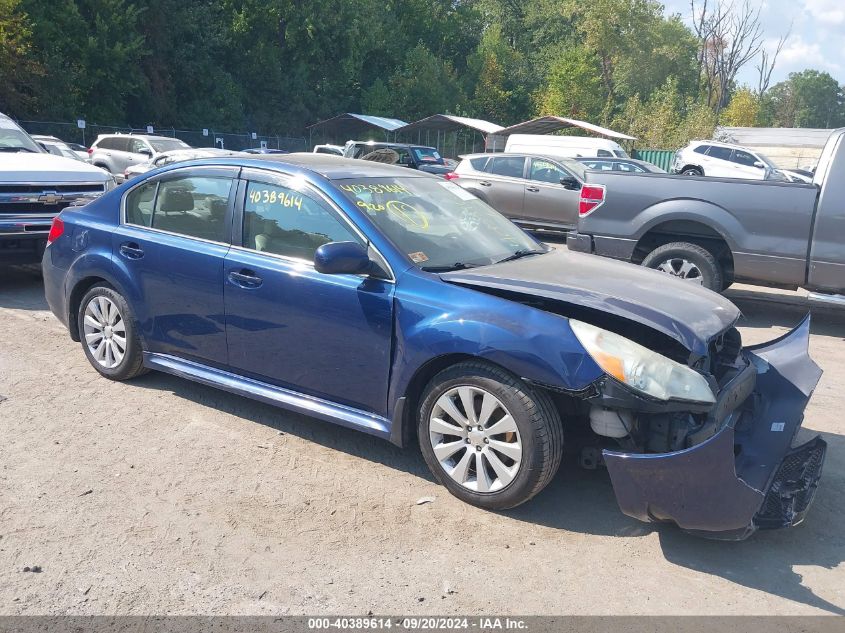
[56,230]
[90,150]
[451,176]
[592,197]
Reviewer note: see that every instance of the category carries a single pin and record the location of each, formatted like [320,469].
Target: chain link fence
[70,132]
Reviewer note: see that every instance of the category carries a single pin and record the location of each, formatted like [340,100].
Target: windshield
[14,139]
[168,145]
[620,153]
[427,155]
[766,161]
[438,225]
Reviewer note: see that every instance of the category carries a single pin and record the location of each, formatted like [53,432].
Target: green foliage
[806,99]
[276,66]
[18,71]
[742,111]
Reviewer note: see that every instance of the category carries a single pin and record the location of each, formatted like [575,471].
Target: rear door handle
[485,183]
[245,278]
[532,189]
[131,250]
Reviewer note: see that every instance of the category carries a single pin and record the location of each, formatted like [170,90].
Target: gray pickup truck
[715,231]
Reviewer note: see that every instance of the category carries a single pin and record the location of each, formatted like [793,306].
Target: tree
[743,109]
[807,99]
[425,85]
[574,86]
[18,72]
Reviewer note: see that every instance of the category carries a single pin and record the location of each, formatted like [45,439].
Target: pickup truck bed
[766,232]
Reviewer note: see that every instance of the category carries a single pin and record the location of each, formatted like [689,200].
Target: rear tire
[505,451]
[109,335]
[689,262]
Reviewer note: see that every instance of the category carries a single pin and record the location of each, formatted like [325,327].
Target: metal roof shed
[442,124]
[350,124]
[548,124]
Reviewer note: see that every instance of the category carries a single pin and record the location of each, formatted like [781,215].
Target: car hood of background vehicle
[680,309]
[47,168]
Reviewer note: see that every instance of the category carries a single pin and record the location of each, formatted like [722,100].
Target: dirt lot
[163,496]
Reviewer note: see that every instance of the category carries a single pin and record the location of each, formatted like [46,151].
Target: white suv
[722,160]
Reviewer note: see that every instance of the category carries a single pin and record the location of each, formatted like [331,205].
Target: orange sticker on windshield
[419,257]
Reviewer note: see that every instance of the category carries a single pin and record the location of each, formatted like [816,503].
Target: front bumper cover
[748,475]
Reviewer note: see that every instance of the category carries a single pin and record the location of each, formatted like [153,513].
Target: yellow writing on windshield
[407,214]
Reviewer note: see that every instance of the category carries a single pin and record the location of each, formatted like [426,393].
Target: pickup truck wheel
[488,437]
[689,262]
[108,334]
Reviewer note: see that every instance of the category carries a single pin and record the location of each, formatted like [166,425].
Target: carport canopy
[450,123]
[351,124]
[549,124]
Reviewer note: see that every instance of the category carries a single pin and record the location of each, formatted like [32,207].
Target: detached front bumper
[748,475]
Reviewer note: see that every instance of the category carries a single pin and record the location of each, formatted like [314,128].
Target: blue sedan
[396,303]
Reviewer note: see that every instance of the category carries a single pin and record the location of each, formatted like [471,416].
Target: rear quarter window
[480,163]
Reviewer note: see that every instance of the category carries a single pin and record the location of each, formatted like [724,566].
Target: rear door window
[510,166]
[194,206]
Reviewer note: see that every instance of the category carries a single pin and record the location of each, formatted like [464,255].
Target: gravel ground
[163,496]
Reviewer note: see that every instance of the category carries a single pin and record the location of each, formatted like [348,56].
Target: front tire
[108,334]
[489,438]
[692,171]
[689,262]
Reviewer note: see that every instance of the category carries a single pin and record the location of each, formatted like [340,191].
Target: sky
[817,38]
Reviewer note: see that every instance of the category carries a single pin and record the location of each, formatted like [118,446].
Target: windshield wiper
[523,252]
[446,269]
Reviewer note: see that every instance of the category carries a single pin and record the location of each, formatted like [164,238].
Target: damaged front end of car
[727,468]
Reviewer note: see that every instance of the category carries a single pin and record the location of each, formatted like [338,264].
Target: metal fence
[70,132]
[660,157]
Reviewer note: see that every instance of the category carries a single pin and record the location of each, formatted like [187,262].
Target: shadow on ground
[21,288]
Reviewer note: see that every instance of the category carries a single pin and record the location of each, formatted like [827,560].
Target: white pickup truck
[34,186]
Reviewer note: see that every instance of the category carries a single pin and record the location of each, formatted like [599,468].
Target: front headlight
[640,368]
[111,183]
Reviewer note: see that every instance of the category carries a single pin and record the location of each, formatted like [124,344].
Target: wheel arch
[687,230]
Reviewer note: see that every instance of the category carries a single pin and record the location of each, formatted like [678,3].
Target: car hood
[47,168]
[688,313]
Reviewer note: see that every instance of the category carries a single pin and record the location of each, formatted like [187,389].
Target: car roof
[327,165]
[154,137]
[719,144]
[390,144]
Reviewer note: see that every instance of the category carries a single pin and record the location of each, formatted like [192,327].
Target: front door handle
[245,278]
[131,250]
[532,189]
[485,183]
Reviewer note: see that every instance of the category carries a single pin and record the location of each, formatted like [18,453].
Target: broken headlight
[640,368]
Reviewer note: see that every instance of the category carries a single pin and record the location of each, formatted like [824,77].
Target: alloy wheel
[682,268]
[475,439]
[105,332]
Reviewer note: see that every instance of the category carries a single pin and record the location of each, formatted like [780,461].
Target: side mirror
[146,151]
[342,258]
[759,164]
[570,183]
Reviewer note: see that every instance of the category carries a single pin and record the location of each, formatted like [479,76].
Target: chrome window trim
[332,205]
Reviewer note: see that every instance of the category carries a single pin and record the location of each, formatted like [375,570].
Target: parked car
[34,186]
[420,157]
[166,158]
[716,231]
[563,146]
[58,147]
[395,303]
[116,152]
[536,192]
[627,165]
[80,150]
[722,160]
[336,150]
